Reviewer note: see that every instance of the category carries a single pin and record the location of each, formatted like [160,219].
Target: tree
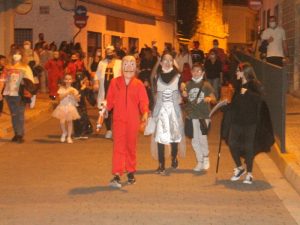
[187,18]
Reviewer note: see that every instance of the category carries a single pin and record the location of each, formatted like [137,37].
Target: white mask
[272,24]
[198,79]
[26,47]
[17,57]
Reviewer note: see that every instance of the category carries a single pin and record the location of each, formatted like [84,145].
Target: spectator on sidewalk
[15,75]
[184,63]
[197,54]
[277,47]
[250,129]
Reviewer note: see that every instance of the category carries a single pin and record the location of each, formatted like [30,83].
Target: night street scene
[149,112]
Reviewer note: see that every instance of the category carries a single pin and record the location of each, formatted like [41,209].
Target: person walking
[250,130]
[167,115]
[277,49]
[55,69]
[127,96]
[66,111]
[213,70]
[200,95]
[13,78]
[108,68]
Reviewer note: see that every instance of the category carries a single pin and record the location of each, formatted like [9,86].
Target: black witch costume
[83,126]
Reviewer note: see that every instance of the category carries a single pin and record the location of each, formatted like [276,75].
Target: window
[263,25]
[115,40]
[94,41]
[133,44]
[169,7]
[22,35]
[115,24]
[44,10]
[268,17]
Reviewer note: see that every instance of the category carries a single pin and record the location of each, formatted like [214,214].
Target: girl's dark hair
[159,69]
[252,82]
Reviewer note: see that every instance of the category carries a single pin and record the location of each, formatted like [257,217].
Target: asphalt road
[45,182]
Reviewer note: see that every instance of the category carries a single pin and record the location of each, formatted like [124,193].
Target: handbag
[188,128]
[150,126]
[204,127]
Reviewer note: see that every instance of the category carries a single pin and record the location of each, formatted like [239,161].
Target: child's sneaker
[198,167]
[63,138]
[115,182]
[160,170]
[108,134]
[248,179]
[131,178]
[69,140]
[237,173]
[174,163]
[206,163]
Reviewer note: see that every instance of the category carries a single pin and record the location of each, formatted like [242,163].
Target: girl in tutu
[66,111]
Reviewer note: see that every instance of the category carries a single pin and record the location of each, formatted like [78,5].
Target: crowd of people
[172,91]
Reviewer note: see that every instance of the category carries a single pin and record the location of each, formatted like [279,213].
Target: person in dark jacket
[249,116]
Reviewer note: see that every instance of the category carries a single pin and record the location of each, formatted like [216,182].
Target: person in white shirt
[277,49]
[108,68]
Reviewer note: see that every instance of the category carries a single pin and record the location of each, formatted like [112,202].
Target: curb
[288,166]
[30,115]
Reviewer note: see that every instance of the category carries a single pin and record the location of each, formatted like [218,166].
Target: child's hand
[185,94]
[207,99]
[145,117]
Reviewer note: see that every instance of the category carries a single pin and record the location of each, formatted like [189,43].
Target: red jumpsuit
[74,67]
[55,69]
[127,102]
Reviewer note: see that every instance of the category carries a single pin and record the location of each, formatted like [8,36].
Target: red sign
[80,21]
[255,4]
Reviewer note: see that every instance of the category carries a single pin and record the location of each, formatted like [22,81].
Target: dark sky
[236,2]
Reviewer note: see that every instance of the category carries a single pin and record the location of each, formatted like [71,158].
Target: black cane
[219,154]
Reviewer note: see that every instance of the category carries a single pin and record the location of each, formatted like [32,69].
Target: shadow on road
[92,190]
[47,141]
[171,171]
[257,185]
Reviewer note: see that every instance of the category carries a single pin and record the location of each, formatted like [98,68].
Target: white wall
[59,25]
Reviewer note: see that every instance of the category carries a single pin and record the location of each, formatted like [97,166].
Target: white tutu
[66,112]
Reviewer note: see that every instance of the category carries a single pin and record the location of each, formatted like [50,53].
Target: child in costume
[167,114]
[66,111]
[128,98]
[199,94]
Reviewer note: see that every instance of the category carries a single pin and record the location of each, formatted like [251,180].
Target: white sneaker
[69,140]
[63,138]
[206,163]
[237,173]
[108,134]
[248,179]
[198,167]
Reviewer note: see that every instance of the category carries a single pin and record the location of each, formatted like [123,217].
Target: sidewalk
[289,163]
[43,104]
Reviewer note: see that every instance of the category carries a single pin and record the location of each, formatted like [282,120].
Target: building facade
[212,26]
[242,31]
[131,23]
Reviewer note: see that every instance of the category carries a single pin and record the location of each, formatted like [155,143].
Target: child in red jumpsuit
[55,68]
[128,98]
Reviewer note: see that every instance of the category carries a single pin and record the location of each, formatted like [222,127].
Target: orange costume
[127,102]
